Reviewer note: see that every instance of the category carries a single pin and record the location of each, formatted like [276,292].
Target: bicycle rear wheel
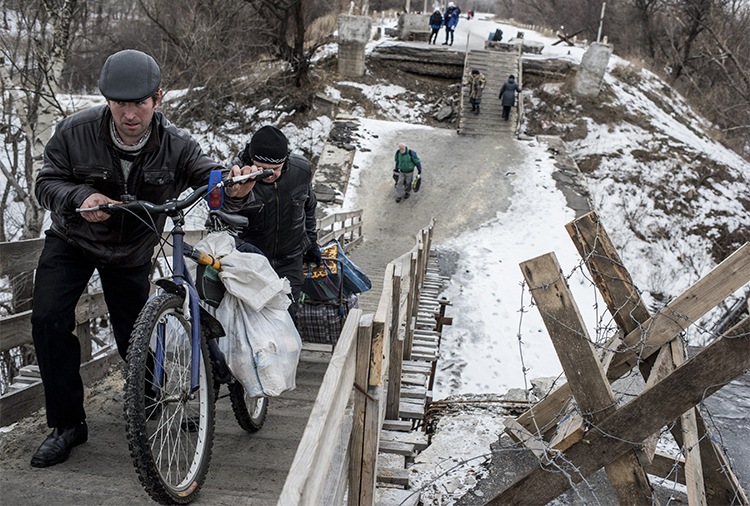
[250,412]
[170,430]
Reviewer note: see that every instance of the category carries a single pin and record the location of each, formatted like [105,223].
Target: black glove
[312,255]
[395,175]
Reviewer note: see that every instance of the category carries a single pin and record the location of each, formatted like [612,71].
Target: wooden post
[725,279]
[411,307]
[585,374]
[362,370]
[397,348]
[380,343]
[693,472]
[720,362]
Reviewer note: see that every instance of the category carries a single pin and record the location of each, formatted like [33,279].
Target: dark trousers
[62,275]
[449,33]
[506,112]
[434,34]
[293,272]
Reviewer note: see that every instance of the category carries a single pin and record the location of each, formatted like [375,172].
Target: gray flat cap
[129,76]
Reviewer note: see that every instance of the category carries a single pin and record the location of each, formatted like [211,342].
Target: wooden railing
[345,227]
[26,394]
[339,448]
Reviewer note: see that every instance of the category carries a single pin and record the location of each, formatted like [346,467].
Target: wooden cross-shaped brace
[635,323]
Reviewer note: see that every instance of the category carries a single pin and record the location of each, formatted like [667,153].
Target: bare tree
[35,41]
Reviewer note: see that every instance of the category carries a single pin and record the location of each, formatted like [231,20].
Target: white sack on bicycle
[261,347]
[248,276]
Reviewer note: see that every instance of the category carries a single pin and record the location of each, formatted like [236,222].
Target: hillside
[673,199]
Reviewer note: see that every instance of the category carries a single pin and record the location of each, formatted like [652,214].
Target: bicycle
[174,365]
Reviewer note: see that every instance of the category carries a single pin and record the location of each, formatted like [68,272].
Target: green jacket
[405,162]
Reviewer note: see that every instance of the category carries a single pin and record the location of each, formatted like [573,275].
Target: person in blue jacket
[451,20]
[436,23]
[406,161]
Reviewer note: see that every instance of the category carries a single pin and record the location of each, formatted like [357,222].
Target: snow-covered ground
[497,340]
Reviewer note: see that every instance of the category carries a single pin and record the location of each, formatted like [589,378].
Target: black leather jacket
[80,159]
[282,214]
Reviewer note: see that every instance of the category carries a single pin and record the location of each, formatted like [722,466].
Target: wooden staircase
[496,67]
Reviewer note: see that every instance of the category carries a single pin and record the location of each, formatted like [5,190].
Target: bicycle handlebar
[174,204]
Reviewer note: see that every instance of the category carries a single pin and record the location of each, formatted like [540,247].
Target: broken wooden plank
[394,476]
[405,449]
[397,425]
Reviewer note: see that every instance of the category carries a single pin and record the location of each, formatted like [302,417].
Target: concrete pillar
[591,71]
[354,33]
[410,22]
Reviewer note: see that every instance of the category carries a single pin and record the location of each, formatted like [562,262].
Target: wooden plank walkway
[246,468]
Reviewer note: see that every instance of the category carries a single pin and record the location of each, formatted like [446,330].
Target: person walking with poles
[122,150]
[406,161]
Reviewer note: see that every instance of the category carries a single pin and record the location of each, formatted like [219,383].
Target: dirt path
[463,186]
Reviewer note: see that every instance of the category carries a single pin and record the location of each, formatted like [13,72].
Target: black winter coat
[508,93]
[282,215]
[80,160]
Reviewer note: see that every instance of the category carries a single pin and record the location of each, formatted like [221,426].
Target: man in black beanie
[97,156]
[282,216]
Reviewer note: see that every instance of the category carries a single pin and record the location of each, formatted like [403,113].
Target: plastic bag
[248,276]
[261,347]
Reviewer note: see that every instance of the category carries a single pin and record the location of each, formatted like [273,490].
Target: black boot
[56,448]
[477,111]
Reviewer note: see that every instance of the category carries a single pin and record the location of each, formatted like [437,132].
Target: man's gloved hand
[395,175]
[312,255]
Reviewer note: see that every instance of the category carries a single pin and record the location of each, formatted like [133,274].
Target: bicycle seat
[233,220]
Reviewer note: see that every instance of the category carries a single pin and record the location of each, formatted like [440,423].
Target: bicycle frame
[182,278]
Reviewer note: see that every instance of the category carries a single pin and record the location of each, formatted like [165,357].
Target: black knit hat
[268,145]
[474,71]
[129,76]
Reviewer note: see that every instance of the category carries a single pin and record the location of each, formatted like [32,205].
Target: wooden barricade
[651,343]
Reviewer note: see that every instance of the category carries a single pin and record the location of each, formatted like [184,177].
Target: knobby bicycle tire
[250,412]
[170,435]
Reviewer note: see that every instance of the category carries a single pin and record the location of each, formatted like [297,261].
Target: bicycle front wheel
[169,429]
[250,412]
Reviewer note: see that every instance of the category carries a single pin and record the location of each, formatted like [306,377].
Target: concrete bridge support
[354,33]
[591,71]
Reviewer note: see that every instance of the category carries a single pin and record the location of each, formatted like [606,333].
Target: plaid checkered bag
[322,322]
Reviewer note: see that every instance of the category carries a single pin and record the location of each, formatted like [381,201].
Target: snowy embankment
[654,212]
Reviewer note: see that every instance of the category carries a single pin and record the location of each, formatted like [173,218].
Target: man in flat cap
[282,222]
[100,155]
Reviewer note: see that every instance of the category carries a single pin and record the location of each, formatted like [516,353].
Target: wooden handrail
[380,346]
[310,468]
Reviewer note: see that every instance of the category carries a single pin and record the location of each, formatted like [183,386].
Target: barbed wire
[605,331]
